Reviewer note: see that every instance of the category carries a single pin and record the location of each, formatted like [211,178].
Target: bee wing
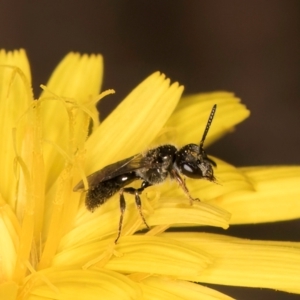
[126,165]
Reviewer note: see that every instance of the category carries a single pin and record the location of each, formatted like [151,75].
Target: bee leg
[138,201]
[181,182]
[122,209]
[139,207]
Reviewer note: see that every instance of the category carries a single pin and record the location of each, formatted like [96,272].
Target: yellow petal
[239,262]
[158,256]
[15,98]
[61,213]
[275,196]
[8,290]
[167,288]
[72,283]
[76,77]
[16,58]
[179,212]
[74,83]
[79,77]
[134,123]
[140,254]
[190,117]
[9,239]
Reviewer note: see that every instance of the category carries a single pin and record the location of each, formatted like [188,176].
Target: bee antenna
[209,121]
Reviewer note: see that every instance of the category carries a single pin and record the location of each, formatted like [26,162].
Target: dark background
[249,47]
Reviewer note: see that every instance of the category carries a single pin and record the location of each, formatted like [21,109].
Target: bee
[152,167]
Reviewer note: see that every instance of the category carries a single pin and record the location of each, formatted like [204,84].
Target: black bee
[152,167]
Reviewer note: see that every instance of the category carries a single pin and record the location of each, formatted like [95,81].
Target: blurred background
[251,48]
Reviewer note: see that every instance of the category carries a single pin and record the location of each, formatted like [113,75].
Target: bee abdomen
[100,194]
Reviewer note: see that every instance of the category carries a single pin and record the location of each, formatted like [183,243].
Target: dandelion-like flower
[52,247]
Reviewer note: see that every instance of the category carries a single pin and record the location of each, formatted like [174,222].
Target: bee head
[192,161]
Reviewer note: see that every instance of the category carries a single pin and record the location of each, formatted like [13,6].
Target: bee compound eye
[186,168]
[191,170]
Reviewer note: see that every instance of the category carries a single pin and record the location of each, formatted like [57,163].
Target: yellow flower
[52,247]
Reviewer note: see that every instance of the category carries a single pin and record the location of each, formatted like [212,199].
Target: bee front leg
[182,184]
